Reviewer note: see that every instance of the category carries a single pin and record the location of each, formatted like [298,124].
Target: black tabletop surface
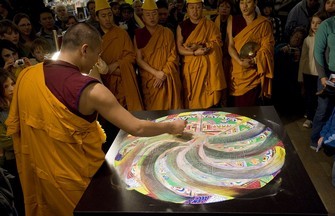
[290,192]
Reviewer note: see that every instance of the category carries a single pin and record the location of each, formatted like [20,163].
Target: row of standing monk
[195,70]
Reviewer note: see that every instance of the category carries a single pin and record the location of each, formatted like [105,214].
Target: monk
[158,62]
[119,53]
[52,120]
[199,42]
[225,8]
[250,77]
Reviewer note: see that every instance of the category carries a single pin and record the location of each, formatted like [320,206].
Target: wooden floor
[317,164]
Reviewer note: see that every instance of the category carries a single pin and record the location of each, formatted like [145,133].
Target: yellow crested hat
[101,4]
[193,1]
[149,5]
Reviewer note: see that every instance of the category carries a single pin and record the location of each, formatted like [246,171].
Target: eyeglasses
[25,25]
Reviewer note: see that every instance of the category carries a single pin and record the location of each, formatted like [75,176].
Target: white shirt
[307,62]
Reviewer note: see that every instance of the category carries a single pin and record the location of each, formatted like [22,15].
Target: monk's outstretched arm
[96,97]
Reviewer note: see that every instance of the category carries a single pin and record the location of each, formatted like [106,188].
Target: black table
[291,192]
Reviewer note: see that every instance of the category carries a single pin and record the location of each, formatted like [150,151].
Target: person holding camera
[10,59]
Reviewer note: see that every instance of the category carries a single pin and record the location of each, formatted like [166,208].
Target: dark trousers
[311,100]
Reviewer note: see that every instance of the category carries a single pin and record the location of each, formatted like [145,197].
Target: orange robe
[226,60]
[243,80]
[117,46]
[160,53]
[57,152]
[203,76]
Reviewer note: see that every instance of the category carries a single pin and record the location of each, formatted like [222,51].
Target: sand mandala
[220,157]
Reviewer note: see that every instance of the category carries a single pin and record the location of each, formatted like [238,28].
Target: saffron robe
[117,46]
[203,76]
[160,53]
[57,152]
[226,60]
[245,79]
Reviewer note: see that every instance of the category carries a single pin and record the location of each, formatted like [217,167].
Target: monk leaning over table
[250,77]
[119,53]
[53,123]
[199,43]
[158,62]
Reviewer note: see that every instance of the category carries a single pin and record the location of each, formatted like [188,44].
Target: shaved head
[79,34]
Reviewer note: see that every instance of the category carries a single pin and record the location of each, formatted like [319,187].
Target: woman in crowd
[26,31]
[10,32]
[328,8]
[10,56]
[71,21]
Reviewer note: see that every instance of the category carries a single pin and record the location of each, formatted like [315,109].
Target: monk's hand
[192,46]
[206,50]
[113,66]
[178,126]
[101,66]
[245,63]
[158,83]
[252,61]
[160,75]
[202,51]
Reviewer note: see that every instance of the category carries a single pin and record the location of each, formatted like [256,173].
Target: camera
[19,63]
